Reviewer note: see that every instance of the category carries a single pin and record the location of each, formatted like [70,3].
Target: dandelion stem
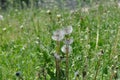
[76,78]
[57,61]
[67,63]
[57,69]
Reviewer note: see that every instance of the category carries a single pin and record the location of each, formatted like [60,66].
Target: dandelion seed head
[65,48]
[57,56]
[68,41]
[58,35]
[68,30]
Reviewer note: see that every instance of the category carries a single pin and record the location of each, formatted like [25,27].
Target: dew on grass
[68,30]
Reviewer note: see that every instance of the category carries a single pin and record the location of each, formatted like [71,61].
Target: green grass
[26,44]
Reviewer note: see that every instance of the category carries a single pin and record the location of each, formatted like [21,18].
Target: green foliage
[26,44]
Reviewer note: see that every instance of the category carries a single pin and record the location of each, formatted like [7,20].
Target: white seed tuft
[65,48]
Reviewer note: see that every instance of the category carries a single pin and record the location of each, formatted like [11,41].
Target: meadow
[27,48]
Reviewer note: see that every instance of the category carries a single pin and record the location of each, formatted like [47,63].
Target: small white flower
[24,47]
[58,35]
[68,30]
[101,53]
[57,56]
[48,12]
[91,75]
[85,9]
[68,41]
[116,57]
[21,26]
[58,16]
[66,48]
[1,17]
[72,11]
[4,29]
[37,42]
[115,71]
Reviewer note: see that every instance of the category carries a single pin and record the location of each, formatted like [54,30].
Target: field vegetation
[31,50]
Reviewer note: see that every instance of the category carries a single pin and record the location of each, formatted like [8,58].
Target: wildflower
[116,57]
[57,56]
[37,42]
[1,17]
[4,29]
[72,11]
[115,75]
[48,12]
[112,67]
[85,9]
[68,41]
[58,16]
[68,30]
[66,48]
[21,27]
[101,52]
[58,35]
[91,75]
